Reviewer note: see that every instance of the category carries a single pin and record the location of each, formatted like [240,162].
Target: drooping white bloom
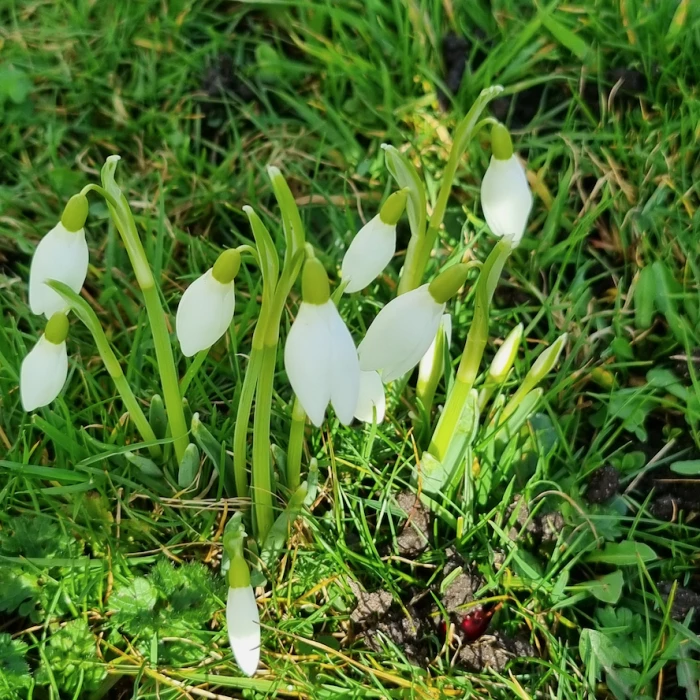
[61,255]
[206,309]
[243,622]
[321,362]
[369,253]
[505,193]
[45,368]
[204,313]
[371,398]
[401,334]
[374,245]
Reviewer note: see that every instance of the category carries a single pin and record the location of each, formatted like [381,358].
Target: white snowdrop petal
[43,374]
[400,334]
[345,367]
[243,621]
[307,360]
[371,397]
[506,198]
[60,255]
[204,313]
[369,253]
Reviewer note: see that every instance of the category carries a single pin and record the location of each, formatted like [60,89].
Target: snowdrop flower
[371,398]
[206,309]
[242,617]
[62,254]
[45,368]
[505,193]
[320,355]
[374,245]
[404,329]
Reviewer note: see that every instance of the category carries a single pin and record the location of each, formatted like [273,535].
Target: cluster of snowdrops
[322,362]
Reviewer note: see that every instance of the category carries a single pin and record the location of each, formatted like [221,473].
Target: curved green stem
[85,313]
[124,221]
[473,350]
[296,445]
[192,370]
[240,431]
[166,367]
[420,248]
[262,480]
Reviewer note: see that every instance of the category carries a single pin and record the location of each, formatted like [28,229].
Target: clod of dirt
[672,492]
[550,526]
[493,651]
[370,606]
[413,539]
[665,507]
[378,618]
[683,600]
[523,525]
[462,589]
[407,630]
[603,484]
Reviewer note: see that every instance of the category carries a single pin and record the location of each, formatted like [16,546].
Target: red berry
[475,623]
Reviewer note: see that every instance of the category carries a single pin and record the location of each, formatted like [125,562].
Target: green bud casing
[315,288]
[448,282]
[238,573]
[393,208]
[501,143]
[226,266]
[56,330]
[75,213]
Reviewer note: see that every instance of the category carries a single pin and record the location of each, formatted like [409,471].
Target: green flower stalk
[85,313]
[422,241]
[124,222]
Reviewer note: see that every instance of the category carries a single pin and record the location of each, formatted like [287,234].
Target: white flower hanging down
[206,309]
[371,398]
[320,355]
[404,329]
[242,617]
[374,245]
[505,193]
[62,254]
[45,368]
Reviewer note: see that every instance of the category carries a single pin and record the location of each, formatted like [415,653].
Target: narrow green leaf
[567,38]
[689,467]
[145,465]
[625,553]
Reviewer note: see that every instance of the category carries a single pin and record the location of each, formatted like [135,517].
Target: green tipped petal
[448,282]
[315,288]
[75,213]
[238,573]
[501,143]
[56,330]
[227,265]
[393,208]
